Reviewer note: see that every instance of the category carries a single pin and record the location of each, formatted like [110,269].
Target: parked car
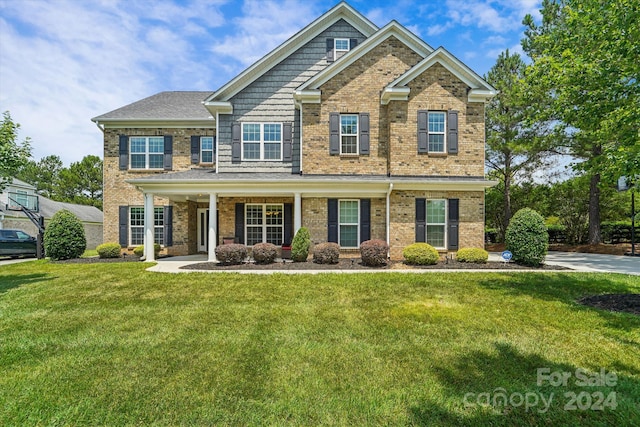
[15,243]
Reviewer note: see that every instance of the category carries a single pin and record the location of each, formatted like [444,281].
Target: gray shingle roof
[47,208]
[175,105]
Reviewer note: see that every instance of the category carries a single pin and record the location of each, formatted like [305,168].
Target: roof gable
[480,89]
[248,76]
[309,89]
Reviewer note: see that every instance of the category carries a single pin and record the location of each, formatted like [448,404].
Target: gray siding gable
[270,99]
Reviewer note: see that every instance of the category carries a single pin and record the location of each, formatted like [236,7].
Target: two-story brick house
[354,131]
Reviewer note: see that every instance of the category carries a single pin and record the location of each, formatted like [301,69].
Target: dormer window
[338,47]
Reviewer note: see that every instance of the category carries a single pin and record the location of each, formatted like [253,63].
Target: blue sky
[65,61]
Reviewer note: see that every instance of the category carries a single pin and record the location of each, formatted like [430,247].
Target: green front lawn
[111,344]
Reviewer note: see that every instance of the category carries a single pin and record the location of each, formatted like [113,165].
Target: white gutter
[388,216]
[99,127]
[217,142]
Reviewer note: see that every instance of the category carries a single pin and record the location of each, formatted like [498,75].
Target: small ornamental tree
[527,237]
[64,236]
[300,245]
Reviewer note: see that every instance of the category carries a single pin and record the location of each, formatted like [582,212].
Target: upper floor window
[206,149]
[146,152]
[436,131]
[348,134]
[262,141]
[341,45]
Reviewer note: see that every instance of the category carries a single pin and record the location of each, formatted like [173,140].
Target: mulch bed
[355,264]
[627,303]
[96,260]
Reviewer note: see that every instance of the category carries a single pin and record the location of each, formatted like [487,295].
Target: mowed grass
[112,344]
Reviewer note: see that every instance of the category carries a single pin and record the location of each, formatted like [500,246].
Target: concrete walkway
[576,261]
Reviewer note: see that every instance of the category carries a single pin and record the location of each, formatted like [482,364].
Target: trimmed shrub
[232,253]
[264,253]
[139,250]
[420,254]
[473,255]
[527,237]
[300,245]
[326,253]
[108,250]
[374,253]
[64,236]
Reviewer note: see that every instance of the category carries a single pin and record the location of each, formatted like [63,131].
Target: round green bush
[64,236]
[326,253]
[139,250]
[108,250]
[300,245]
[264,253]
[473,255]
[374,253]
[527,237]
[420,254]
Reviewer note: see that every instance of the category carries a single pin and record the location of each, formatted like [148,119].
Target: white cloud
[491,40]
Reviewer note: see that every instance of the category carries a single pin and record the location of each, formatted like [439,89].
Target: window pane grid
[342,44]
[349,218]
[349,134]
[136,225]
[262,141]
[206,149]
[436,131]
[436,223]
[146,152]
[264,223]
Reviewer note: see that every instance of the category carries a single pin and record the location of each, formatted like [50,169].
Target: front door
[203,229]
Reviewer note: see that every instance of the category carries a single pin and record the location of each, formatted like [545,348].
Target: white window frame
[357,135]
[146,153]
[212,150]
[443,224]
[357,224]
[158,226]
[335,45]
[264,224]
[443,133]
[262,142]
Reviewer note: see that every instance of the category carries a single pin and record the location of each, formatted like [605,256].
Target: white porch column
[149,253]
[297,213]
[213,233]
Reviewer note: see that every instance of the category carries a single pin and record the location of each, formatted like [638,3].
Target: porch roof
[199,183]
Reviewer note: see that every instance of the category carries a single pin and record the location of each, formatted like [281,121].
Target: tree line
[80,183]
[579,98]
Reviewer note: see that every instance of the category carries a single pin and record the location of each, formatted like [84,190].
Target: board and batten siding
[270,99]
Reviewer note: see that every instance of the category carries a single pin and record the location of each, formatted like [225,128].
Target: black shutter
[452,135]
[287,143]
[332,223]
[288,224]
[168,225]
[124,152]
[421,220]
[454,216]
[123,226]
[195,149]
[334,133]
[235,143]
[353,43]
[423,132]
[168,152]
[330,55]
[364,133]
[240,223]
[365,220]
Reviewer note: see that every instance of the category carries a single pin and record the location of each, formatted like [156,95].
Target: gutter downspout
[217,142]
[388,219]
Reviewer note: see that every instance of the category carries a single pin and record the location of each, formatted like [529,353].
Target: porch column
[213,233]
[297,213]
[149,254]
